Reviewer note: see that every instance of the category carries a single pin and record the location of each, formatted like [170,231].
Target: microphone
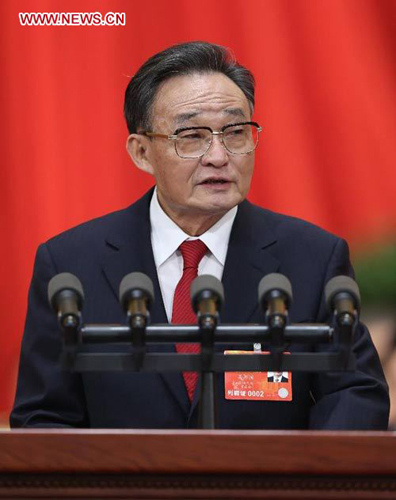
[136,298]
[66,297]
[275,296]
[207,298]
[343,298]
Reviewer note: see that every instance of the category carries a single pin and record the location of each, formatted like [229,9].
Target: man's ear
[138,146]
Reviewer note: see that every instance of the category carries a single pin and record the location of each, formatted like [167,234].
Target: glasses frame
[219,133]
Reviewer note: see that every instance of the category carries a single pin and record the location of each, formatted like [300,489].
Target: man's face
[219,180]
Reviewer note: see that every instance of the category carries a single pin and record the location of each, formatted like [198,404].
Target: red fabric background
[326,81]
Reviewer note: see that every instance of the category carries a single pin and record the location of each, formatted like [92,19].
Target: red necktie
[192,252]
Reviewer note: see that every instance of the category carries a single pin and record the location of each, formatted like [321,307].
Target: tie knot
[192,252]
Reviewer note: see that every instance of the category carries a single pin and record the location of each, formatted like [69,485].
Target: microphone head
[206,286]
[138,283]
[274,282]
[341,284]
[65,281]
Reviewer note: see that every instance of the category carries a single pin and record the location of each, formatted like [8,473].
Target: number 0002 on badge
[257,386]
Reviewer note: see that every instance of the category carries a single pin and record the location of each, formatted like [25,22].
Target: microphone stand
[207,416]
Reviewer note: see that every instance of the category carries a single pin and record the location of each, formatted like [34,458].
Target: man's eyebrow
[183,117]
[235,112]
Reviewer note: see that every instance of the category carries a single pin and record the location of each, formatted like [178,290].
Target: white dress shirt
[166,237]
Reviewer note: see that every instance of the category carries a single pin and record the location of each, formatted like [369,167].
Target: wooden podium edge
[197,452]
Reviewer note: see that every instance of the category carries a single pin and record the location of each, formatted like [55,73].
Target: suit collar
[250,256]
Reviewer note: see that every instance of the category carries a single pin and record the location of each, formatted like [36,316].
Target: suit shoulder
[90,230]
[292,228]
[114,226]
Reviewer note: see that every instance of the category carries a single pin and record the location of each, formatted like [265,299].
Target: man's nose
[216,155]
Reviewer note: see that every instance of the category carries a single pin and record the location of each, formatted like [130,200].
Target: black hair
[182,59]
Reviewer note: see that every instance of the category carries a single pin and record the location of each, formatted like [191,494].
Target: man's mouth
[215,181]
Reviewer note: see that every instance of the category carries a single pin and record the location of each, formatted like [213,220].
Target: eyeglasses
[194,142]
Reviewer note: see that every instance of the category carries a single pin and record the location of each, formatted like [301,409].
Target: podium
[167,464]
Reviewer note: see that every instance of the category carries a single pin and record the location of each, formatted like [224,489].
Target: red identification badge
[257,386]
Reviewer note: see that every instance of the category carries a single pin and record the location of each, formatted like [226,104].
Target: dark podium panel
[197,464]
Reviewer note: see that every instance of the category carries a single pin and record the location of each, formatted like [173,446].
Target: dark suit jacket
[102,251]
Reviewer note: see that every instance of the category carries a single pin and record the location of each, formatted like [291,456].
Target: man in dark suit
[188,111]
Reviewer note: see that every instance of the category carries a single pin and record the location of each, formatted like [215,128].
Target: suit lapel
[128,249]
[248,259]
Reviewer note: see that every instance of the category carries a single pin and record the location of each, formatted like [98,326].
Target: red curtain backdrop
[326,81]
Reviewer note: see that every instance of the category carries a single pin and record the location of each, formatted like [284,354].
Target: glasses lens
[193,143]
[241,139]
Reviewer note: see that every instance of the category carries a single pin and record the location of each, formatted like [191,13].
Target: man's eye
[191,136]
[236,131]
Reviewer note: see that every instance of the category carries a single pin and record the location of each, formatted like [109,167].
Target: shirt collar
[168,236]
